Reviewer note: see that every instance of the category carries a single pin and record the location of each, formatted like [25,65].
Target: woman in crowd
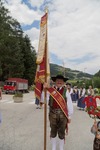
[80,103]
[69,90]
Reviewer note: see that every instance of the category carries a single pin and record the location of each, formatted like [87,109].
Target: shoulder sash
[59,99]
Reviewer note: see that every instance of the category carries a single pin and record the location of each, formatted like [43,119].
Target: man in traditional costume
[90,91]
[58,120]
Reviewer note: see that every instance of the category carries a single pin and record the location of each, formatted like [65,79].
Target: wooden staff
[45,92]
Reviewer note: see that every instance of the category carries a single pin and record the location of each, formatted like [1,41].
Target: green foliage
[99,90]
[96,91]
[88,82]
[32,87]
[96,82]
[29,56]
[18,94]
[97,74]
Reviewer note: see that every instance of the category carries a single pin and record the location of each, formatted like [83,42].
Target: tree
[97,74]
[29,55]
[96,82]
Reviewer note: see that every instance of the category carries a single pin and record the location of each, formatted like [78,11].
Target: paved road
[22,127]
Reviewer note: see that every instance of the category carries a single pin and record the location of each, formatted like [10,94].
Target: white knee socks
[61,144]
[53,141]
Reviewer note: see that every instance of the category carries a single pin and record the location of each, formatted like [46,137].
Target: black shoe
[37,107]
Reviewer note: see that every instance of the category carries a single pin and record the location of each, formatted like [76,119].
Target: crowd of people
[77,95]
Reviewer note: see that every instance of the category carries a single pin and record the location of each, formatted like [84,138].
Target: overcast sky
[73,30]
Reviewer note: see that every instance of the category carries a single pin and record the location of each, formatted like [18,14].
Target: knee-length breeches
[58,124]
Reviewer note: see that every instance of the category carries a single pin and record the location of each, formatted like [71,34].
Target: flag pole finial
[46,9]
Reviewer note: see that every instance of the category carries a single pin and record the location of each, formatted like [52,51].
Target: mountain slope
[97,74]
[67,72]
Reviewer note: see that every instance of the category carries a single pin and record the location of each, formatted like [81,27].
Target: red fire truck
[15,84]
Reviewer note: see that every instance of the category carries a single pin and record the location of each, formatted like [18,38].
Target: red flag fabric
[42,58]
[38,90]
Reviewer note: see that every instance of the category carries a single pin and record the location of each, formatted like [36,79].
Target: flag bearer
[58,120]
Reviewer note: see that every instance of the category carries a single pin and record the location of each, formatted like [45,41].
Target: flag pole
[45,92]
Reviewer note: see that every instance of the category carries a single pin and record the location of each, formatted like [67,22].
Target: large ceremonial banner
[42,39]
[43,69]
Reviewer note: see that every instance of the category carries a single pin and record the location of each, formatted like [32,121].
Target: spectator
[80,103]
[96,131]
[90,91]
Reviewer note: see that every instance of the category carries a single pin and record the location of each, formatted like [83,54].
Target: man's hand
[46,85]
[69,120]
[95,124]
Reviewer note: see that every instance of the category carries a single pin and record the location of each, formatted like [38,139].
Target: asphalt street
[22,127]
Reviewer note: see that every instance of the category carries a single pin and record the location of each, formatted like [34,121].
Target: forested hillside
[97,74]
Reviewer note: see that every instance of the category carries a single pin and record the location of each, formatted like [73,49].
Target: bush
[96,90]
[99,90]
[31,88]
[18,94]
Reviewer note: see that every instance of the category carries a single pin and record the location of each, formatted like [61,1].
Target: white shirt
[83,92]
[70,92]
[69,104]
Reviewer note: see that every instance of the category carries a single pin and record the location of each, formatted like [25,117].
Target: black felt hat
[68,83]
[59,77]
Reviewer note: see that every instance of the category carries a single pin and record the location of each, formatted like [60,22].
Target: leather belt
[56,111]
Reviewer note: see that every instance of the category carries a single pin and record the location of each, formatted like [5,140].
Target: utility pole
[64,68]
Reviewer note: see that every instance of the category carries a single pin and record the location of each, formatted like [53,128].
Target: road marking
[6,101]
